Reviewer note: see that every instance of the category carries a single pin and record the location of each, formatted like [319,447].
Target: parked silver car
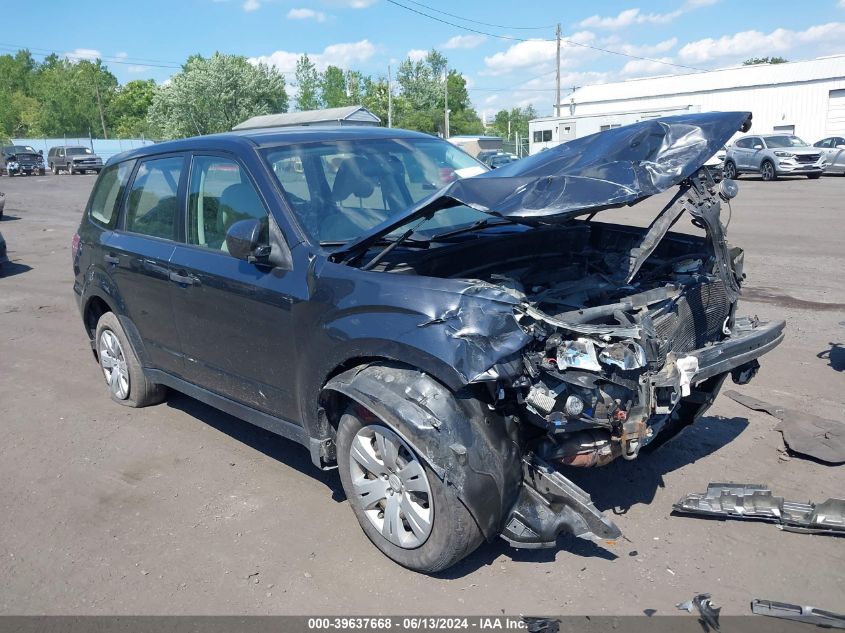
[833,151]
[773,155]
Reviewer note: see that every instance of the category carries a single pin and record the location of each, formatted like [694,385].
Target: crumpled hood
[609,169]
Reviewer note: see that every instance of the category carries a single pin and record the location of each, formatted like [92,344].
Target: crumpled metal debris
[756,502]
[803,433]
[808,615]
[703,604]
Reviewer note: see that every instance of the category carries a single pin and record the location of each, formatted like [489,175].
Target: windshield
[784,141]
[341,189]
[76,151]
[22,149]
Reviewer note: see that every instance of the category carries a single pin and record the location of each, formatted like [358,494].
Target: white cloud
[252,5]
[354,4]
[629,17]
[841,4]
[539,55]
[344,55]
[307,14]
[467,41]
[640,67]
[78,54]
[121,55]
[417,54]
[648,50]
[755,42]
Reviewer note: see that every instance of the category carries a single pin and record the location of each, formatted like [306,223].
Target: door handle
[187,280]
[111,258]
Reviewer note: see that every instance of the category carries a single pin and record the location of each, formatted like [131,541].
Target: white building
[805,98]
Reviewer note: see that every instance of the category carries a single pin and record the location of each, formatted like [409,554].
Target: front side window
[824,143]
[340,189]
[107,194]
[220,194]
[152,206]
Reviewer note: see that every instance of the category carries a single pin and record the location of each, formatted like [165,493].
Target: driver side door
[233,317]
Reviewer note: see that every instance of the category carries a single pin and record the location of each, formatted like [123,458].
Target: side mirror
[248,240]
[41,152]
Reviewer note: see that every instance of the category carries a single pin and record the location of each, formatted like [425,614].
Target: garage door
[835,114]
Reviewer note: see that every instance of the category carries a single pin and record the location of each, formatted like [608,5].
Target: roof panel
[723,79]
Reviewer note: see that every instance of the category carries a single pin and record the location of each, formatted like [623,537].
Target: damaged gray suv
[452,340]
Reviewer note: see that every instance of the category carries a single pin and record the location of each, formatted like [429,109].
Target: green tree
[73,96]
[518,118]
[753,61]
[127,113]
[333,88]
[355,87]
[214,94]
[308,83]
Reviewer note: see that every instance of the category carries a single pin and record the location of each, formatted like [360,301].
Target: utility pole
[100,106]
[389,99]
[446,103]
[557,73]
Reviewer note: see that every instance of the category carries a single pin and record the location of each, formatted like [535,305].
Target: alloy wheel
[768,171]
[113,363]
[391,486]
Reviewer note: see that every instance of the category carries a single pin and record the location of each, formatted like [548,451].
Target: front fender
[467,445]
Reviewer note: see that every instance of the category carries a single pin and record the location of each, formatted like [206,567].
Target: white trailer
[551,131]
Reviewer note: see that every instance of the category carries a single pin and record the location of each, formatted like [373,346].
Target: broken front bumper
[748,340]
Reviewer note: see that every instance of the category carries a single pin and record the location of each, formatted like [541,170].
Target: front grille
[807,158]
[697,319]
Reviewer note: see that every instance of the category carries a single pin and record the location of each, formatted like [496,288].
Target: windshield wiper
[475,226]
[385,241]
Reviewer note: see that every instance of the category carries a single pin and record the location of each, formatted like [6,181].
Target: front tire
[767,171]
[124,375]
[730,170]
[407,512]
[814,176]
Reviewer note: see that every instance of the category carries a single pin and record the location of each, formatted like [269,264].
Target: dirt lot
[180,509]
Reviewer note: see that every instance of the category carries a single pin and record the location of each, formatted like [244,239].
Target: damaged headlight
[581,354]
[626,355]
[578,354]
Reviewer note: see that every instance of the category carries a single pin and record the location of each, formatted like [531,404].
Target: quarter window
[152,205]
[107,194]
[220,195]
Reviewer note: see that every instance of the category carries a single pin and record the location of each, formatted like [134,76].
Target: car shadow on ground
[10,269]
[616,488]
[274,446]
[835,356]
[9,218]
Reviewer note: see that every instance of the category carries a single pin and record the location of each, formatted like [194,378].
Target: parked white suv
[774,155]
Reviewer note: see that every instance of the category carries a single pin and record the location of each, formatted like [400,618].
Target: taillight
[74,245]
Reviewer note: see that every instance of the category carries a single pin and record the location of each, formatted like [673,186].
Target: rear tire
[54,169]
[124,375]
[453,533]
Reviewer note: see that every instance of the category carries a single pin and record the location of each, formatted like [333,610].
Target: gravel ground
[180,509]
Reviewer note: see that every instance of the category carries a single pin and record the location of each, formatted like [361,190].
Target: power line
[497,26]
[539,39]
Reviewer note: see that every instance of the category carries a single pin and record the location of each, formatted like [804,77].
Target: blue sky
[150,39]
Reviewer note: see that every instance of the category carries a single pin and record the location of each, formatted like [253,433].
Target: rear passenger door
[233,317]
[137,255]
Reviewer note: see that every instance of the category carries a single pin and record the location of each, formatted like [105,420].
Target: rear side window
[152,206]
[107,194]
[220,195]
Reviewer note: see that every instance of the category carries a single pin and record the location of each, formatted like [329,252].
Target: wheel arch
[466,444]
